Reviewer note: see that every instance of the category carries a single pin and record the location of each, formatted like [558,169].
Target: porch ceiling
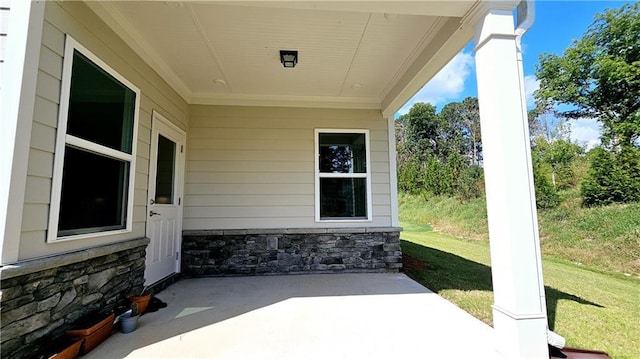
[355,54]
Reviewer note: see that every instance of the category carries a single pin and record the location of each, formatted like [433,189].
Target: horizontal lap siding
[5,6]
[253,167]
[77,20]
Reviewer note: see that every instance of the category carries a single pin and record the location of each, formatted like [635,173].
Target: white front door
[164,202]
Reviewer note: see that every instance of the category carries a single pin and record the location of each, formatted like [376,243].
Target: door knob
[153,213]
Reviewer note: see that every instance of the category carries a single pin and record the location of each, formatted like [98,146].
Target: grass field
[591,308]
[607,238]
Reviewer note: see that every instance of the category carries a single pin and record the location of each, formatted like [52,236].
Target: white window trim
[319,175]
[63,139]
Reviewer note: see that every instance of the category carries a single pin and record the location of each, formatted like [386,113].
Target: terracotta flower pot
[68,349]
[94,334]
[142,301]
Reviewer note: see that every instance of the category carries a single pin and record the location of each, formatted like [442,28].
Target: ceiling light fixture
[289,58]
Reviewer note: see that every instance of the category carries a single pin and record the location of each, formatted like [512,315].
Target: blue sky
[557,24]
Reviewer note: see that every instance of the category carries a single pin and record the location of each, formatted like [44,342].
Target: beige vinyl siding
[77,20]
[5,6]
[253,167]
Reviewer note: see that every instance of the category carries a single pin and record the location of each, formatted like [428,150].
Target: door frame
[158,120]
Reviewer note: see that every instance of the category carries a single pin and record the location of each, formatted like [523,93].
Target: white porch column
[519,310]
[17,100]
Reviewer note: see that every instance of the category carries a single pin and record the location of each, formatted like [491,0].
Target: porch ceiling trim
[287,101]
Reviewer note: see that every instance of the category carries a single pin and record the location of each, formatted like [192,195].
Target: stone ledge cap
[254,231]
[43,263]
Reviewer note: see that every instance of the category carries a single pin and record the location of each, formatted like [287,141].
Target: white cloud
[446,85]
[531,85]
[585,131]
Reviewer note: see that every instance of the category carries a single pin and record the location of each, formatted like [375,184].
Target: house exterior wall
[253,167]
[54,285]
[5,7]
[41,300]
[77,20]
[249,206]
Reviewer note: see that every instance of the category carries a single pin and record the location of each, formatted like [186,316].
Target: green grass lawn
[592,309]
[607,237]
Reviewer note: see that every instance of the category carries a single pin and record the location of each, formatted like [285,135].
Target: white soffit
[352,54]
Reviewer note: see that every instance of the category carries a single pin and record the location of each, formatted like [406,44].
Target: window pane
[343,198]
[165,170]
[94,193]
[101,109]
[342,153]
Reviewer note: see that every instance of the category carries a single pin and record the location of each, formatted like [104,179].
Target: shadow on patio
[303,316]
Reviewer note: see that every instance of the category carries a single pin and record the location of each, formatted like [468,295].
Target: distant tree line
[440,153]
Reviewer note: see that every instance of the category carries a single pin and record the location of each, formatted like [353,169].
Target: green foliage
[465,179]
[439,153]
[546,195]
[606,237]
[424,129]
[446,214]
[463,136]
[599,75]
[613,177]
[410,176]
[553,168]
[134,309]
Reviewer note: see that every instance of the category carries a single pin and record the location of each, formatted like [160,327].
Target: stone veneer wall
[42,298]
[254,252]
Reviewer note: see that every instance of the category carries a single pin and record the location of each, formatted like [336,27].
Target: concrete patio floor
[303,316]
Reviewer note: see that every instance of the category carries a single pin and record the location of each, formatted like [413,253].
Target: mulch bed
[576,353]
[413,263]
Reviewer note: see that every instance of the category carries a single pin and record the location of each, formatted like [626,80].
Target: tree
[599,75]
[553,155]
[545,122]
[424,130]
[464,117]
[558,155]
[439,153]
[546,194]
[612,177]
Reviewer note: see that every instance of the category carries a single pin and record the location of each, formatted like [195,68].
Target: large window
[342,175]
[92,190]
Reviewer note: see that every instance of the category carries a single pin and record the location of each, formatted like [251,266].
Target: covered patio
[351,315]
[146,139]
